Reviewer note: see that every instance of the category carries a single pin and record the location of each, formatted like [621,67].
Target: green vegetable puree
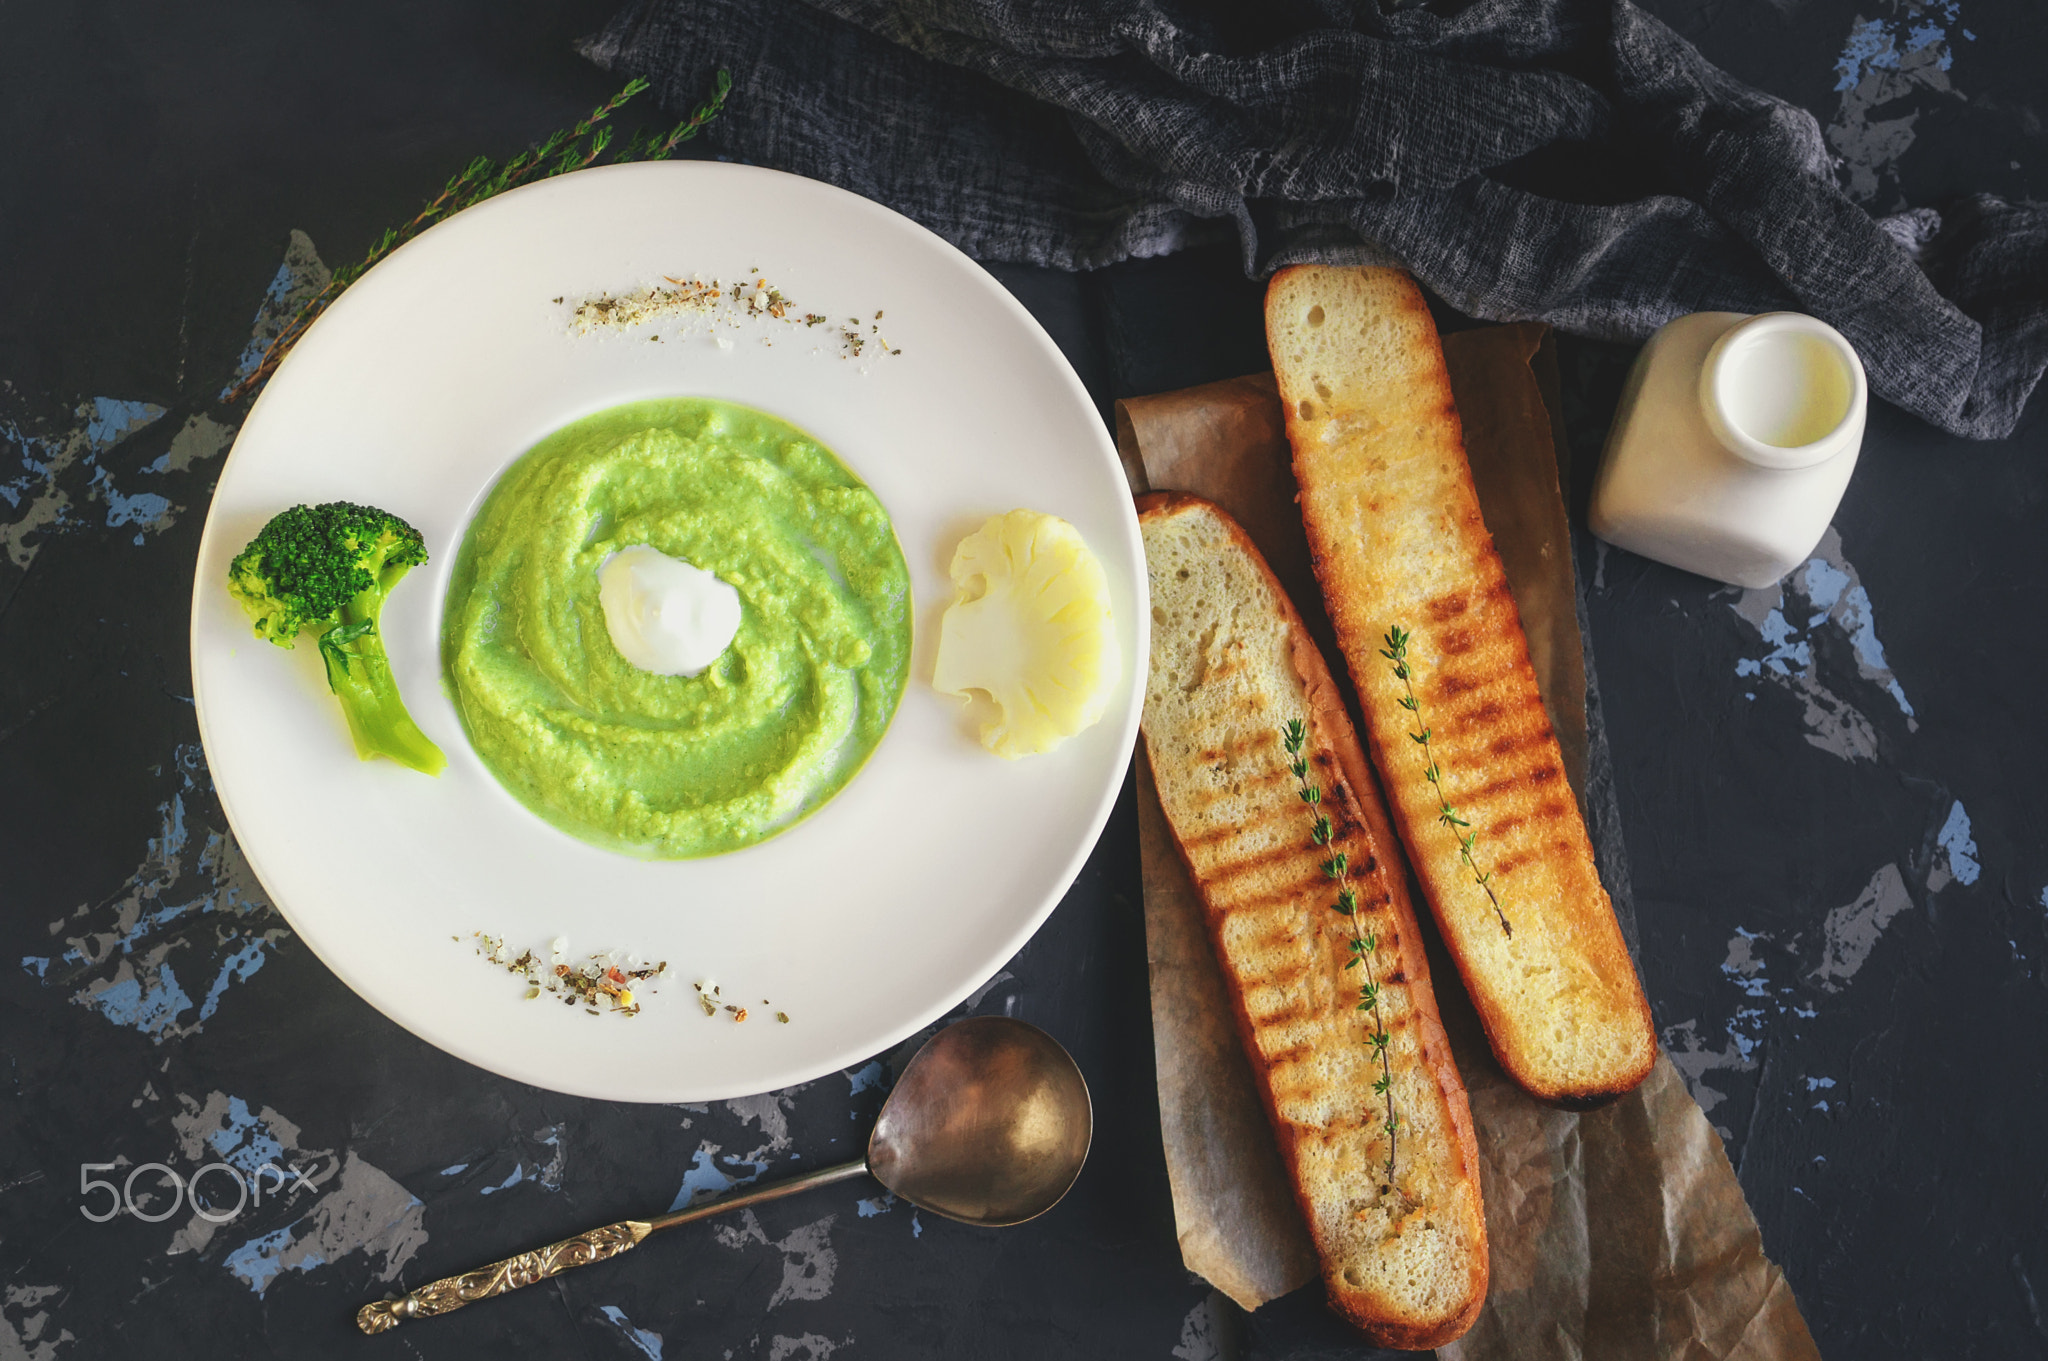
[678,766]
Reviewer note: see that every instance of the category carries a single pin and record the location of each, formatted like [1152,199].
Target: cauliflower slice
[1030,626]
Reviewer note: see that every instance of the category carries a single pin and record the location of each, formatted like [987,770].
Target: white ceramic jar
[1732,444]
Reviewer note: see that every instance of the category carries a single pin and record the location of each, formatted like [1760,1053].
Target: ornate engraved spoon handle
[455,1291]
[585,1248]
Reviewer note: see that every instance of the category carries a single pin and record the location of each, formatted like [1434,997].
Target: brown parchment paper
[1617,1234]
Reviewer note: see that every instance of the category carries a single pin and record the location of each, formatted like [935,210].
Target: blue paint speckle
[1745,1044]
[256,1261]
[1875,45]
[1814,1084]
[1962,849]
[868,1075]
[238,966]
[451,1171]
[1924,34]
[113,420]
[1861,626]
[1832,594]
[916,1228]
[1747,972]
[1778,631]
[704,1180]
[144,508]
[39,965]
[876,1205]
[648,1342]
[172,842]
[1869,48]
[300,271]
[518,1175]
[152,1011]
[735,1160]
[245,1142]
[150,921]
[150,997]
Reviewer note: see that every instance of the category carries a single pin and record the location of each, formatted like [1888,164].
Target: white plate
[865,922]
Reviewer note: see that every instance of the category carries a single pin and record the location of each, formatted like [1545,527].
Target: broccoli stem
[359,673]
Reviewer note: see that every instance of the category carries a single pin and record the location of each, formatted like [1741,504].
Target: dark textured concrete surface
[1831,792]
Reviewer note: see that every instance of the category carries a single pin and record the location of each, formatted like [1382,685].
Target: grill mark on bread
[1288,1057]
[1336,1130]
[1446,607]
[1233,751]
[1241,744]
[1231,831]
[1503,826]
[1540,816]
[1485,712]
[1509,783]
[1276,993]
[1220,880]
[1238,787]
[1507,744]
[1222,871]
[1508,864]
[1449,685]
[1294,1008]
[1512,714]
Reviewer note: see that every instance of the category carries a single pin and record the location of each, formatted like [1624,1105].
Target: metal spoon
[988,1125]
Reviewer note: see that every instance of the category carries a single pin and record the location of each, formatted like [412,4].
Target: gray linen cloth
[1573,161]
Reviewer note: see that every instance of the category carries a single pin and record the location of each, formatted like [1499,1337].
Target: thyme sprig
[1396,651]
[1364,942]
[562,151]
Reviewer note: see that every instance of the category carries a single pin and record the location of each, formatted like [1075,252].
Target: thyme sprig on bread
[1396,651]
[1364,942]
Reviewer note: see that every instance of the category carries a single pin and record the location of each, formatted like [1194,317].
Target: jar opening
[1785,388]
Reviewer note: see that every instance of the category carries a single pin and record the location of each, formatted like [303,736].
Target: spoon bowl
[989,1124]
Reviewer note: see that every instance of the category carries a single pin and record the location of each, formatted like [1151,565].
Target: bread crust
[1350,795]
[1396,538]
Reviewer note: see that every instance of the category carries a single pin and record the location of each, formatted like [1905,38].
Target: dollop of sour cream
[665,615]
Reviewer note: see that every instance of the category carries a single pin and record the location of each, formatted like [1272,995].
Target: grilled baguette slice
[1395,534]
[1404,1261]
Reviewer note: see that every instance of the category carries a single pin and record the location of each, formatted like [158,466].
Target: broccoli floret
[325,570]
